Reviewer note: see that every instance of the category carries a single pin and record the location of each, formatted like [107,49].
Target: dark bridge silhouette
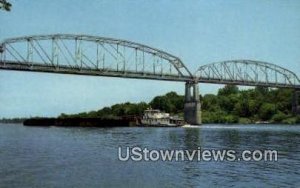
[100,56]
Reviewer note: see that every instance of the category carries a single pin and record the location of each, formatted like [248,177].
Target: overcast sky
[199,32]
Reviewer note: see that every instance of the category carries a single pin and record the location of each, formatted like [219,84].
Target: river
[89,157]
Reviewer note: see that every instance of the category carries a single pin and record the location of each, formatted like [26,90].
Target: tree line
[229,105]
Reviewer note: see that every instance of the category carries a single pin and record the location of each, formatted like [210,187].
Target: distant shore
[229,106]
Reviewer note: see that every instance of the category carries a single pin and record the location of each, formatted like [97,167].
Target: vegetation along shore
[229,105]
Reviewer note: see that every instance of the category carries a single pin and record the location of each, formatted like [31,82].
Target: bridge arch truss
[90,55]
[101,56]
[247,72]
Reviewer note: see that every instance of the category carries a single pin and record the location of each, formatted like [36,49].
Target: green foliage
[291,120]
[279,117]
[244,121]
[171,102]
[210,102]
[283,99]
[117,110]
[298,119]
[228,90]
[266,111]
[262,91]
[231,119]
[242,106]
[227,103]
[218,117]
[5,5]
[230,105]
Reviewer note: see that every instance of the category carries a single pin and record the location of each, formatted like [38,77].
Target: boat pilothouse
[154,118]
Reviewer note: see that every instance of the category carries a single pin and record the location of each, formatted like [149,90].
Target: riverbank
[229,106]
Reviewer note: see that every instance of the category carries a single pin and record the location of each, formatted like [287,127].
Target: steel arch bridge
[101,56]
[247,72]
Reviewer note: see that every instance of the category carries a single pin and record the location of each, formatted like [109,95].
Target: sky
[197,31]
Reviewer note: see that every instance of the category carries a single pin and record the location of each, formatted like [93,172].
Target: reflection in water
[230,138]
[192,139]
[186,138]
[88,157]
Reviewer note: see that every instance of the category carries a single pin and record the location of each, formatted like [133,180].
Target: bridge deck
[136,75]
[91,72]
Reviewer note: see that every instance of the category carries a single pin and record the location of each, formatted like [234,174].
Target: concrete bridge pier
[295,102]
[192,106]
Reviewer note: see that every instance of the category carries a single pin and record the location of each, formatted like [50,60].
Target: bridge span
[101,56]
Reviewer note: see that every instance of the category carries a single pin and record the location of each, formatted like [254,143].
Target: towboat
[156,118]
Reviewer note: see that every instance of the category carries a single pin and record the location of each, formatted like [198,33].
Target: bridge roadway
[37,67]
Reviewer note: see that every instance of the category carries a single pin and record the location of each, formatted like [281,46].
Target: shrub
[291,120]
[244,121]
[279,117]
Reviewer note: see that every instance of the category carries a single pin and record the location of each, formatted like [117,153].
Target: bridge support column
[192,106]
[295,102]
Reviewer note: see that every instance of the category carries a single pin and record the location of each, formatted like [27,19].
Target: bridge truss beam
[247,72]
[90,55]
[100,56]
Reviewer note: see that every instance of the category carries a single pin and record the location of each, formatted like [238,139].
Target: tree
[284,99]
[228,90]
[171,102]
[254,106]
[229,106]
[227,103]
[176,100]
[279,117]
[266,111]
[262,90]
[5,5]
[162,103]
[241,108]
[210,102]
